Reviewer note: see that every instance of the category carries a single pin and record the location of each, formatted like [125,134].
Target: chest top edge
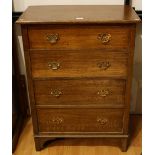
[79,14]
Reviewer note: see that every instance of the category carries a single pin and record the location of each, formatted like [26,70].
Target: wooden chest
[79,69]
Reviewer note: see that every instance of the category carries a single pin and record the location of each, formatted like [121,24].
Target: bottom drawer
[80,120]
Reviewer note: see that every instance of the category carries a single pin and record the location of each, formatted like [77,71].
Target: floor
[82,146]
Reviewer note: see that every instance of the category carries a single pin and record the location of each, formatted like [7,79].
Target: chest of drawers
[79,70]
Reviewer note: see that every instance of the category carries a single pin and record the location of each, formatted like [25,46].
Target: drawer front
[80,120]
[87,63]
[110,93]
[78,37]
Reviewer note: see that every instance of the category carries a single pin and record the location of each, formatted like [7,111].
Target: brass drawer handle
[103,92]
[56,93]
[102,121]
[104,65]
[55,121]
[52,38]
[104,37]
[53,65]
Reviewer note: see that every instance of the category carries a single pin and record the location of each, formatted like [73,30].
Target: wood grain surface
[85,63]
[106,93]
[78,36]
[80,120]
[79,14]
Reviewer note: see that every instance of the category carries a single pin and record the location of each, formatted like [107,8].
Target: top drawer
[58,37]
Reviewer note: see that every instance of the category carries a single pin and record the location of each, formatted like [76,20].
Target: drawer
[108,93]
[80,120]
[78,37]
[87,63]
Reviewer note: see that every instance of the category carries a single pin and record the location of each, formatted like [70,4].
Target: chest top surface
[74,14]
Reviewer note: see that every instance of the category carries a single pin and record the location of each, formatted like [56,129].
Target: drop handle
[52,38]
[102,121]
[104,92]
[56,93]
[104,65]
[104,37]
[53,65]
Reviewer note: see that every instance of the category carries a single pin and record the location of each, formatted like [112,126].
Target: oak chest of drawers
[79,70]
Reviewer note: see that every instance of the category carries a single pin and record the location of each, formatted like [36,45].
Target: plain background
[20,5]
